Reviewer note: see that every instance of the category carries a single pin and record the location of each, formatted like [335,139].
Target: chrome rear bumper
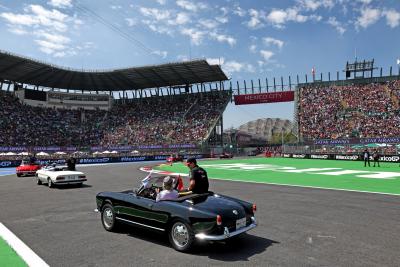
[227,234]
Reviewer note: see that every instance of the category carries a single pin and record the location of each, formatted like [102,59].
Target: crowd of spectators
[360,111]
[181,119]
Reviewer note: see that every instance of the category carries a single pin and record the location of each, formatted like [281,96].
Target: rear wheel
[181,236]
[108,218]
[19,175]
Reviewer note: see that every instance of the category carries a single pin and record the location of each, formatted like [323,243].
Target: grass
[384,179]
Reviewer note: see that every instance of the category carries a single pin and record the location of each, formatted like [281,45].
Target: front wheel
[38,181]
[50,183]
[108,218]
[181,236]
[19,175]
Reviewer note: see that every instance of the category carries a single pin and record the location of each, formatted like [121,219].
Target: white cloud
[235,66]
[315,4]
[273,41]
[18,31]
[162,54]
[158,28]
[131,21]
[365,1]
[392,18]
[239,11]
[191,6]
[181,18]
[222,20]
[255,19]
[253,48]
[279,17]
[216,61]
[223,38]
[48,27]
[60,3]
[155,13]
[266,54]
[115,7]
[196,36]
[162,2]
[182,58]
[336,24]
[368,17]
[208,23]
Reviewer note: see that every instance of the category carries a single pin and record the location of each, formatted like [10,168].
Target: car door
[139,210]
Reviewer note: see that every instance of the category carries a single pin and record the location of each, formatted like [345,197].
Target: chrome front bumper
[227,234]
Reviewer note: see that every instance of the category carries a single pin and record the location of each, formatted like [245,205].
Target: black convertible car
[188,218]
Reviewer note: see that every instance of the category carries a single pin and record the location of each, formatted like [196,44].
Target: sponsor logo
[319,156]
[389,158]
[5,163]
[101,160]
[286,155]
[130,159]
[299,156]
[346,157]
[160,157]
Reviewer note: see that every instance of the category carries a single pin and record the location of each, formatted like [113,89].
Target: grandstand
[46,105]
[363,110]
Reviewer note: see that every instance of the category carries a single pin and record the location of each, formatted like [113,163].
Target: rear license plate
[240,223]
[71,177]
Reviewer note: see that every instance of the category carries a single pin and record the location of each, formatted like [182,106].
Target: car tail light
[219,220]
[82,176]
[60,178]
[254,208]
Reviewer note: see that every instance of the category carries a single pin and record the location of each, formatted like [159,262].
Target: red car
[174,158]
[226,156]
[27,169]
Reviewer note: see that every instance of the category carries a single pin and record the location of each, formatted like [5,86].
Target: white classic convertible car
[59,175]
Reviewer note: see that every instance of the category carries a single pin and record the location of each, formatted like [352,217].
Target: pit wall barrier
[348,157]
[99,160]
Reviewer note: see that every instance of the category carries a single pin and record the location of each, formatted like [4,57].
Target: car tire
[38,181]
[181,236]
[108,218]
[50,183]
[19,175]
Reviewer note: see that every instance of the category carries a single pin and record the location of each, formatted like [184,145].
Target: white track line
[30,257]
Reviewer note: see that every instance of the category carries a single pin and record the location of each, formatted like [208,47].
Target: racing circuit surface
[297,226]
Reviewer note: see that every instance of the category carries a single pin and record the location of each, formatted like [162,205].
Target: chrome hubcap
[180,234]
[108,217]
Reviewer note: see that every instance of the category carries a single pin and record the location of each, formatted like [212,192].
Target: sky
[250,39]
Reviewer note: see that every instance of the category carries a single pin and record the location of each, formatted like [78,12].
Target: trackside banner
[100,160]
[385,158]
[274,97]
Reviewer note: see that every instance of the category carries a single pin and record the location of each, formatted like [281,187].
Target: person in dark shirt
[198,177]
[366,158]
[375,155]
[71,162]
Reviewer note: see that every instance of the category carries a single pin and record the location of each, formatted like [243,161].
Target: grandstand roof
[29,71]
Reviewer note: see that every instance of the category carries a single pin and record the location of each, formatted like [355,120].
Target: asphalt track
[297,226]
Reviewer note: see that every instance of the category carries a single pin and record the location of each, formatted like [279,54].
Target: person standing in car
[71,162]
[198,177]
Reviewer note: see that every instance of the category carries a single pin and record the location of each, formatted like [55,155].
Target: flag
[398,61]
[146,181]
[313,71]
[180,184]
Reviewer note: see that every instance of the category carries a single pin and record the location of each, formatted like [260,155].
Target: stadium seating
[179,119]
[363,110]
